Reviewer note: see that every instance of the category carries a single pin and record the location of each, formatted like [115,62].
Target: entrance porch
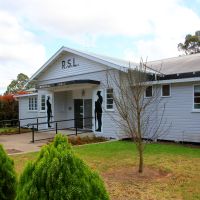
[74,102]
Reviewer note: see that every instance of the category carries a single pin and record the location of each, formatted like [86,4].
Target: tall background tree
[191,44]
[8,103]
[140,110]
[18,84]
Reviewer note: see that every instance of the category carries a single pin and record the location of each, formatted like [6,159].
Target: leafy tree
[8,181]
[18,84]
[59,174]
[8,104]
[8,107]
[191,44]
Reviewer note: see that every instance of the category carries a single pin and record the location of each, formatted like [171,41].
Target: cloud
[154,49]
[171,25]
[154,28]
[84,21]
[20,51]
[74,18]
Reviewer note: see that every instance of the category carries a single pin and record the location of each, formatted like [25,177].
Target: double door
[83,113]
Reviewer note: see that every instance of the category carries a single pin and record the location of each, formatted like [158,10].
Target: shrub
[77,140]
[7,177]
[59,174]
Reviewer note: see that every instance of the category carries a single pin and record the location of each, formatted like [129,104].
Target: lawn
[171,171]
[13,130]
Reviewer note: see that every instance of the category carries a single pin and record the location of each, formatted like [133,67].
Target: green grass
[12,130]
[114,160]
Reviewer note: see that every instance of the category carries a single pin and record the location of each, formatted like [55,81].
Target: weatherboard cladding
[62,101]
[182,122]
[25,113]
[55,70]
[90,71]
[86,71]
[178,65]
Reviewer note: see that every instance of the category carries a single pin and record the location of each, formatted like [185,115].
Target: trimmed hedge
[59,174]
[8,181]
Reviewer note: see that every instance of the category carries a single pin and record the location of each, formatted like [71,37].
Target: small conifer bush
[7,177]
[58,174]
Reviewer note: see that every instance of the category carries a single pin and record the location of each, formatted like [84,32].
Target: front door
[88,113]
[78,113]
[83,113]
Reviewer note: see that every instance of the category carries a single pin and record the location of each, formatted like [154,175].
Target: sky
[32,31]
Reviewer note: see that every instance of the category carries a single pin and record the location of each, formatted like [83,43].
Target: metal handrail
[34,118]
[19,121]
[56,125]
[11,120]
[41,123]
[65,120]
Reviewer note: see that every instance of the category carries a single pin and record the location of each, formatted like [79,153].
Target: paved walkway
[21,143]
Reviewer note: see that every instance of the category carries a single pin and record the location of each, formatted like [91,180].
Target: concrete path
[21,143]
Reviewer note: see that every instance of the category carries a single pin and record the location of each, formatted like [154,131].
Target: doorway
[83,113]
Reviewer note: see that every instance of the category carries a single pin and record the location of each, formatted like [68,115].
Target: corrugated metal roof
[111,62]
[122,63]
[177,65]
[116,61]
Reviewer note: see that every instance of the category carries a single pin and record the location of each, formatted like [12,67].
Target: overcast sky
[31,31]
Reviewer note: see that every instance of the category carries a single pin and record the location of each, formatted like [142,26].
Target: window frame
[45,98]
[151,92]
[33,104]
[193,108]
[169,90]
[106,104]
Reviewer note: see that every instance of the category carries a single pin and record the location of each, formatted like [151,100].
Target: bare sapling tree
[137,103]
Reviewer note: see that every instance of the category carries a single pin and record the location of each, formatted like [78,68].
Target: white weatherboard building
[72,78]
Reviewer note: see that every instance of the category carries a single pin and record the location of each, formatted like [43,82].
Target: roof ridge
[97,54]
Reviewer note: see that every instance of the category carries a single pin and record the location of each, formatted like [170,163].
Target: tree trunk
[140,149]
[140,145]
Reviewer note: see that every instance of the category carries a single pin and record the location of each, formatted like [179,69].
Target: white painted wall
[185,124]
[85,66]
[25,113]
[87,70]
[44,113]
[64,110]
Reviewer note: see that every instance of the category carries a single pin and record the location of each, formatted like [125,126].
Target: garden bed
[80,140]
[77,140]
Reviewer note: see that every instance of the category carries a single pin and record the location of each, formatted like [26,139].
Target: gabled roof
[177,65]
[105,60]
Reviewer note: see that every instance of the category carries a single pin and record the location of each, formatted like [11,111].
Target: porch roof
[73,82]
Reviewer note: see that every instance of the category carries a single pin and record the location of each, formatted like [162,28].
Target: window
[43,102]
[166,90]
[197,97]
[109,99]
[149,91]
[32,103]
